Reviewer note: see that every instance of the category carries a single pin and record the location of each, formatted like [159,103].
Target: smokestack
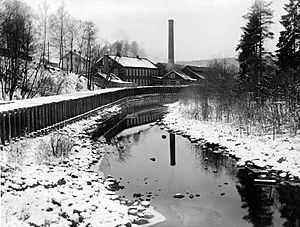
[171,45]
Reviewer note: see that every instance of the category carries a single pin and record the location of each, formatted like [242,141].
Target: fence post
[32,120]
[8,125]
[28,120]
[19,123]
[46,115]
[12,124]
[23,122]
[2,128]
[42,116]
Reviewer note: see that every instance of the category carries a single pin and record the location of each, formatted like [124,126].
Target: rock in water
[178,196]
[137,195]
[145,204]
[132,211]
[140,221]
[61,181]
[121,147]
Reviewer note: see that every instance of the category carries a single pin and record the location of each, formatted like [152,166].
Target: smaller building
[131,69]
[183,74]
[176,78]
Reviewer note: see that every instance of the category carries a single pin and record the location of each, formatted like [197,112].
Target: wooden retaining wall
[36,116]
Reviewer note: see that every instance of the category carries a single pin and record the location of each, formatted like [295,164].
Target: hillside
[205,62]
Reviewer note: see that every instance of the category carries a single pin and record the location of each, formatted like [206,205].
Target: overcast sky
[203,28]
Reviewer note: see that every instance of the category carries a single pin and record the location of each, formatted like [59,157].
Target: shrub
[56,145]
[15,152]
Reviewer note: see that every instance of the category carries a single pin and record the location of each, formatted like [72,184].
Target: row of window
[141,72]
[171,82]
[140,82]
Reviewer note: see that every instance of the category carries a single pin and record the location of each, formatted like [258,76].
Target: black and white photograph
[161,113]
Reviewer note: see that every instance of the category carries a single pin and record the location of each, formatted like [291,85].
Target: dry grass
[16,151]
[54,146]
[251,118]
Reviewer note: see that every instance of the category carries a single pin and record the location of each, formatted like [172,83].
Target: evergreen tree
[252,54]
[289,48]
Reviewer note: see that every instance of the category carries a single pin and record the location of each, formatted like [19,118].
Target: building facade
[176,78]
[131,69]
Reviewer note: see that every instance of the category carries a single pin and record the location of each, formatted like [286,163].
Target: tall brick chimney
[171,45]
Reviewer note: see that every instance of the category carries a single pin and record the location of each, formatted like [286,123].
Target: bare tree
[73,28]
[43,27]
[58,31]
[17,44]
[126,48]
[90,39]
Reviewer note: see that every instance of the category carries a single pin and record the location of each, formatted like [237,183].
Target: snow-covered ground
[67,192]
[281,155]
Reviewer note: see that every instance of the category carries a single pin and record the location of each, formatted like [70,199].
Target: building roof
[197,72]
[134,62]
[179,73]
[176,67]
[113,78]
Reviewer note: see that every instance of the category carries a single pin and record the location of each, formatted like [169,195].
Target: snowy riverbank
[281,155]
[68,192]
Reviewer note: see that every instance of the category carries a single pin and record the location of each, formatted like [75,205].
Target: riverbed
[157,165]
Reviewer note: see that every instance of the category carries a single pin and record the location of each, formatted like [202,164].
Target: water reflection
[172,150]
[264,201]
[215,163]
[133,113]
[181,166]
[135,119]
[289,205]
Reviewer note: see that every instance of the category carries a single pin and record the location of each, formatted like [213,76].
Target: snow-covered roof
[134,62]
[113,78]
[181,74]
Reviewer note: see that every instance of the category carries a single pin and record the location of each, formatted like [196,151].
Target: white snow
[281,154]
[134,62]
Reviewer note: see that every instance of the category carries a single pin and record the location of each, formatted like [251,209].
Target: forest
[263,95]
[31,40]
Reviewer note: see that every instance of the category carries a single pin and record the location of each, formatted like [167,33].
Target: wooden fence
[36,116]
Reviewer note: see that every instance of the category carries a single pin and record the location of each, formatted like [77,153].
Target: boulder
[178,196]
[145,204]
[140,208]
[140,221]
[132,211]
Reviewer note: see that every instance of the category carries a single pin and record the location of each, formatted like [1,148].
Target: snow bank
[281,154]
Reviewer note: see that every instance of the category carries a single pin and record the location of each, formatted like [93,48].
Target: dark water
[159,168]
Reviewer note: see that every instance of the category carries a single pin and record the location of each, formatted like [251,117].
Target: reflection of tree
[123,155]
[258,199]
[289,199]
[122,151]
[214,161]
[105,164]
[136,137]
